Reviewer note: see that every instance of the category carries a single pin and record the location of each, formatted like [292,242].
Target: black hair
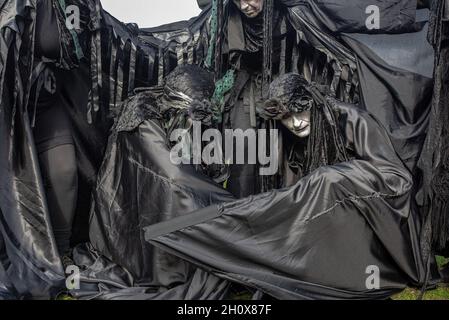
[326,145]
[193,81]
[291,93]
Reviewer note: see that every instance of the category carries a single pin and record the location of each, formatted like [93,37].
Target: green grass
[441,293]
[442,261]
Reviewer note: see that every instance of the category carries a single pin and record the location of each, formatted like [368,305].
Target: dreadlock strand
[267,43]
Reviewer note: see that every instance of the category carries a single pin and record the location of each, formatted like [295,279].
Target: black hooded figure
[308,130]
[148,186]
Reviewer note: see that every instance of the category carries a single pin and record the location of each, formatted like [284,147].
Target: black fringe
[268,12]
[434,161]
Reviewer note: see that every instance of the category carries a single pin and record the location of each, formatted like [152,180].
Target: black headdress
[186,92]
[191,87]
[286,95]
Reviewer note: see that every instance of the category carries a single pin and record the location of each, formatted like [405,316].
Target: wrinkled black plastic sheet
[6,289]
[28,253]
[102,279]
[339,16]
[28,249]
[396,80]
[317,239]
[139,186]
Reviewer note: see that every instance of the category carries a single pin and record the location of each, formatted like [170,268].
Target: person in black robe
[139,185]
[345,229]
[245,48]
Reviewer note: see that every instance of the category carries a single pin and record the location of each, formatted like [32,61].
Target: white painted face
[299,124]
[251,8]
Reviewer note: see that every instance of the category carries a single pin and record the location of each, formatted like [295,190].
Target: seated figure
[309,133]
[337,223]
[139,186]
[343,226]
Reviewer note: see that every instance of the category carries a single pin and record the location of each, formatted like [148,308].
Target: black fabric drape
[139,186]
[396,87]
[33,265]
[339,16]
[434,163]
[316,239]
[120,57]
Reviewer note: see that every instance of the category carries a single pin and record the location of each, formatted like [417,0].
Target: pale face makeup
[251,8]
[299,124]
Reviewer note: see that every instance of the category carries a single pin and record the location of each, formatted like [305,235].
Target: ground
[441,293]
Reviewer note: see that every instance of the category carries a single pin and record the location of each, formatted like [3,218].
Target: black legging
[58,167]
[53,133]
[57,157]
[55,146]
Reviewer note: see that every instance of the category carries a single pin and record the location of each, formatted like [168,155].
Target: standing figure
[255,34]
[46,154]
[52,127]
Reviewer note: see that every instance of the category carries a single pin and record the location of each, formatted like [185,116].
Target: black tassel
[267,44]
[132,68]
[219,40]
[113,74]
[435,159]
[440,189]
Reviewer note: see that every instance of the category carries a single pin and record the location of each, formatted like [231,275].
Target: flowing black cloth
[434,162]
[28,252]
[138,186]
[317,239]
[122,57]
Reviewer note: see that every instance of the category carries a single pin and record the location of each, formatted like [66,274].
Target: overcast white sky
[151,13]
